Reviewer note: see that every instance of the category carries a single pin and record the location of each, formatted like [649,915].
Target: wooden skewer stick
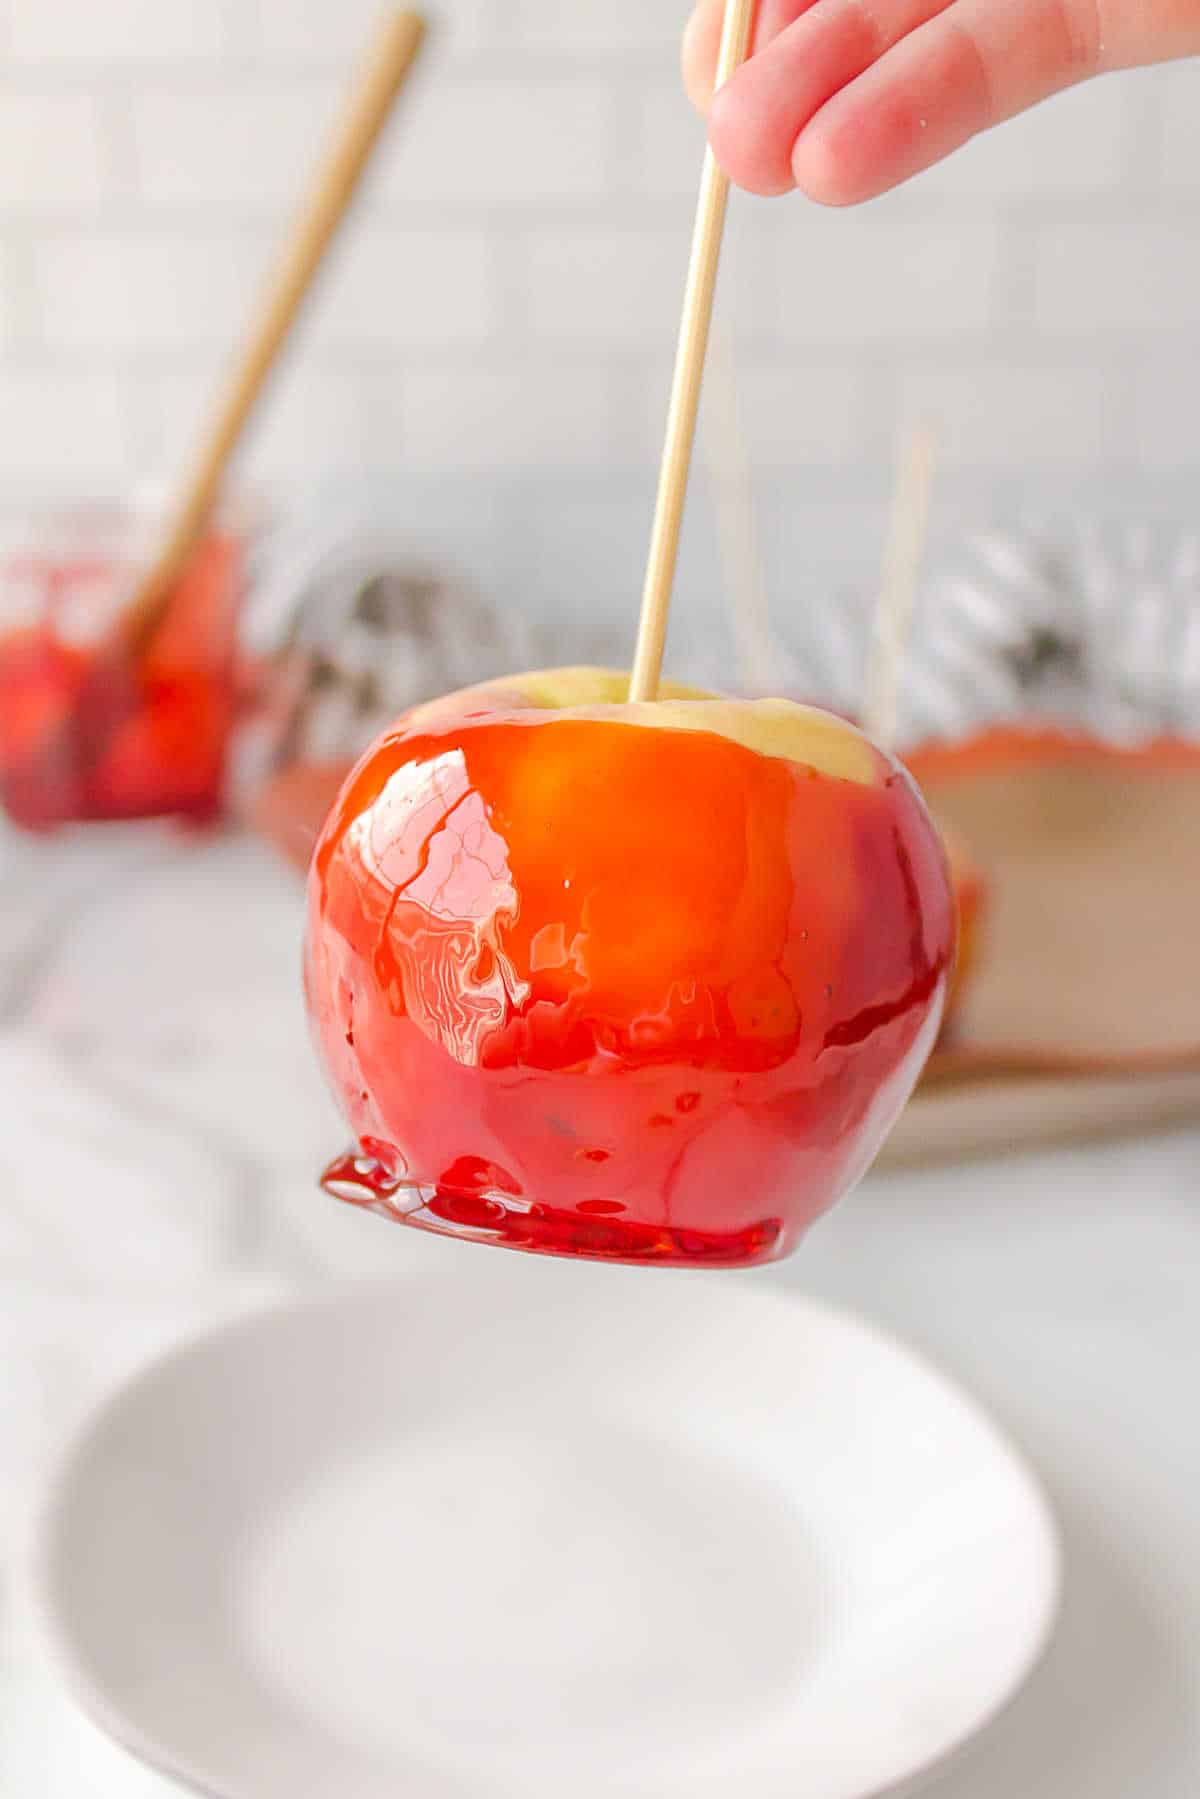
[388,62]
[685,391]
[905,551]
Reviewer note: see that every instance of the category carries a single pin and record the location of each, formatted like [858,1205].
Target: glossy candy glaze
[588,987]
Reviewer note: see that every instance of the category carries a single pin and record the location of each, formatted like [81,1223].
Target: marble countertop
[161,1122]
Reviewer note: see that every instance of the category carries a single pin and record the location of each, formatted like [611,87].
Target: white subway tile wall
[315,30]
[886,275]
[1045,415]
[605,288]
[140,293]
[1181,129]
[61,429]
[524,415]
[1135,271]
[6,282]
[50,157]
[1166,413]
[800,414]
[504,145]
[111,32]
[424,288]
[507,296]
[230,145]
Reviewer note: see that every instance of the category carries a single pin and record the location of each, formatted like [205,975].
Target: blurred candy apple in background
[971,900]
[87,731]
[635,981]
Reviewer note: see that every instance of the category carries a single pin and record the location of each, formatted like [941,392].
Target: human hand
[847,98]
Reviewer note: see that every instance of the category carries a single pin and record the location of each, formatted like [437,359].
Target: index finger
[702,41]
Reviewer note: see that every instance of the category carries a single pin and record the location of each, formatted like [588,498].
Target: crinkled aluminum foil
[1097,632]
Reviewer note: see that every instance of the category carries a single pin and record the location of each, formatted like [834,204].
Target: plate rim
[113,1722]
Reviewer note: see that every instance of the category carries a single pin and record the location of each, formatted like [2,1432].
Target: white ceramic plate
[537,1530]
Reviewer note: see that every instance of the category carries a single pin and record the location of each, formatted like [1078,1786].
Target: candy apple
[643,981]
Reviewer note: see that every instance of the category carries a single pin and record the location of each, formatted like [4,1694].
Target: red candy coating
[586,986]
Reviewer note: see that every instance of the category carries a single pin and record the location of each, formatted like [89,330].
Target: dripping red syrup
[594,1229]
